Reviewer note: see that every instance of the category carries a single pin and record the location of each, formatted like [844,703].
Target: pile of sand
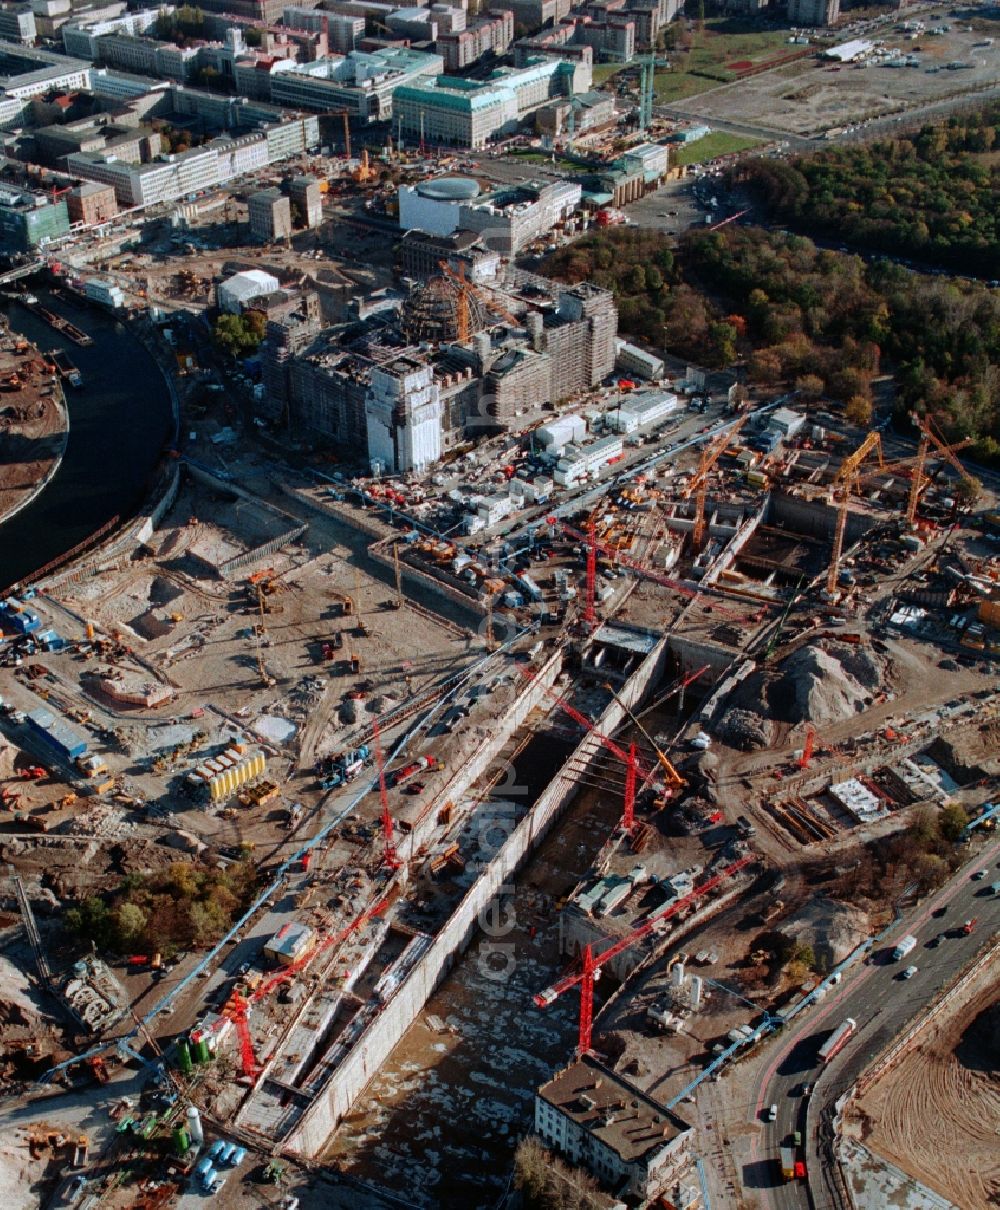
[824,684]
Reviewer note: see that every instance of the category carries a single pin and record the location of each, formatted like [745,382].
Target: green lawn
[723,42]
[712,145]
[679,85]
[543,157]
[603,72]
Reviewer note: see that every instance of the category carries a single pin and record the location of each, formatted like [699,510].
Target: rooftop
[614,1111]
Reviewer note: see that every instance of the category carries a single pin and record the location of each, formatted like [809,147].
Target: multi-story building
[270,215]
[307,199]
[91,203]
[240,155]
[491,34]
[28,220]
[506,220]
[147,56]
[813,12]
[81,37]
[132,144]
[420,255]
[285,337]
[533,14]
[612,41]
[17,24]
[633,1145]
[27,71]
[343,33]
[403,416]
[362,84]
[163,180]
[590,111]
[469,113]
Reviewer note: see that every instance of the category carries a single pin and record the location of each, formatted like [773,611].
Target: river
[119,423]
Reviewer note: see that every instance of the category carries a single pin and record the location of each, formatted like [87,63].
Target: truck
[787,1162]
[346,767]
[837,1040]
[903,946]
[969,926]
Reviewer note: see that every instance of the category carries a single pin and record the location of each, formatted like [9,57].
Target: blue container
[238,1156]
[225,1153]
[217,1147]
[207,1177]
[202,1166]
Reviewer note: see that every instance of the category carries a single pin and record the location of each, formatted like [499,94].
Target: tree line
[933,197]
[826,322]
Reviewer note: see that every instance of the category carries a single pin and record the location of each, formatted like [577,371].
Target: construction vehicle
[414,767]
[346,767]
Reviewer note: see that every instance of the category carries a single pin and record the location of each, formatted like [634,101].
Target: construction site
[612,775]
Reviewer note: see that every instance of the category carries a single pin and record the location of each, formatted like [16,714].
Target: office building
[343,33]
[403,416]
[635,1147]
[470,113]
[81,37]
[587,112]
[420,255]
[28,220]
[27,71]
[17,24]
[361,83]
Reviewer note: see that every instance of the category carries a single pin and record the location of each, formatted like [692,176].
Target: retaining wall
[374,1046]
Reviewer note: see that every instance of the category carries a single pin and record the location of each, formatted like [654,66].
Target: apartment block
[492,34]
[343,32]
[813,13]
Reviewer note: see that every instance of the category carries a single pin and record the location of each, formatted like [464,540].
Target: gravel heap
[745,730]
[824,684]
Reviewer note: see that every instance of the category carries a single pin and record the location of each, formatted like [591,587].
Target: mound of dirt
[824,684]
[745,730]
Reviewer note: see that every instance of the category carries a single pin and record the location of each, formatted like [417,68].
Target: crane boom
[928,438]
[674,779]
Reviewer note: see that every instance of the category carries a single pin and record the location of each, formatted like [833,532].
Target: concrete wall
[815,518]
[376,1043]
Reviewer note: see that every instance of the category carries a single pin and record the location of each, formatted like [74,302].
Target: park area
[713,145]
[722,51]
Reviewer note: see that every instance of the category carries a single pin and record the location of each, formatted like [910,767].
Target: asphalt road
[882,1003]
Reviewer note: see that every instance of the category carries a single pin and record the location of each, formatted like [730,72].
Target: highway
[881,1002]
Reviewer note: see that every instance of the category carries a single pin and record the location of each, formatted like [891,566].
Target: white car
[910,972]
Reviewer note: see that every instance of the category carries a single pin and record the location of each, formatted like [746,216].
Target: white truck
[903,947]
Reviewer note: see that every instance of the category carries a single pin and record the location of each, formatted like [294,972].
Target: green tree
[239,335]
[968,490]
[809,386]
[859,411]
[952,821]
[129,925]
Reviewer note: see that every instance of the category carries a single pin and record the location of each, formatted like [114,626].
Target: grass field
[543,157]
[712,145]
[603,72]
[718,54]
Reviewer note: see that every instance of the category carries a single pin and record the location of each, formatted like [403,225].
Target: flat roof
[613,1110]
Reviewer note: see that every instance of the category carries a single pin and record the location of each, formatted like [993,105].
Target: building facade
[403,416]
[28,220]
[634,1146]
[270,215]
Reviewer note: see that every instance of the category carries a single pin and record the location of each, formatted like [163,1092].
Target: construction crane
[710,455]
[844,483]
[928,438]
[641,569]
[238,1006]
[674,782]
[591,964]
[807,748]
[467,290]
[390,856]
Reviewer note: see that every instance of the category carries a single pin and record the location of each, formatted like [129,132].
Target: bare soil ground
[935,1114]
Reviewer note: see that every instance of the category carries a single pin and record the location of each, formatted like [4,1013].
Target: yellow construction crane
[844,483]
[466,290]
[673,779]
[928,438]
[709,457]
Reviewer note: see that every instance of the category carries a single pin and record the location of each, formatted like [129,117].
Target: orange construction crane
[591,964]
[710,455]
[928,437]
[467,290]
[674,782]
[807,748]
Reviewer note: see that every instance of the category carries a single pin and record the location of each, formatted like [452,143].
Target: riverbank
[34,423]
[121,421]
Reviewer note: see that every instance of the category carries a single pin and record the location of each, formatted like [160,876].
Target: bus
[837,1040]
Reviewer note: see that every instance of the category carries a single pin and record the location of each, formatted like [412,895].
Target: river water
[119,423]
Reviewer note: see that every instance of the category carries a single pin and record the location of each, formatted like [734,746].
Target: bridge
[21,271]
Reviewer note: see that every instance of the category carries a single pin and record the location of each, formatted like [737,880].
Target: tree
[952,821]
[968,490]
[858,410]
[809,386]
[129,924]
[239,335]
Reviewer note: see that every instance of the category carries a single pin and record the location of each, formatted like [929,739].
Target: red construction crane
[591,965]
[238,1006]
[628,814]
[391,857]
[649,572]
